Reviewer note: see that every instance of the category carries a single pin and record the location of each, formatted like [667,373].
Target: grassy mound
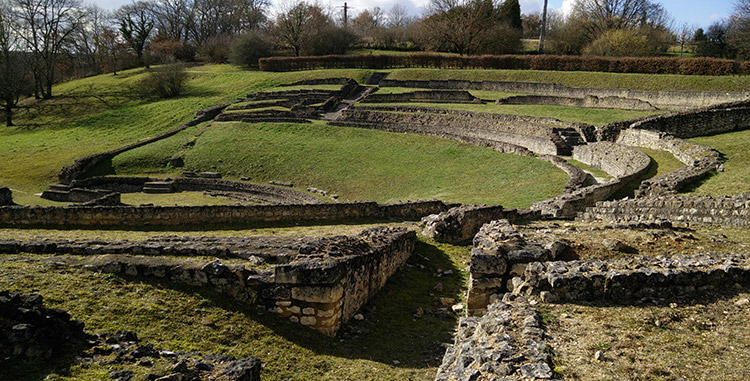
[358,164]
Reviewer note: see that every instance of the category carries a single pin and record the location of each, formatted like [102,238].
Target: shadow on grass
[20,369]
[390,332]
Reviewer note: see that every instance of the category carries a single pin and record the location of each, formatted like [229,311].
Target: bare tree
[398,17]
[684,33]
[603,15]
[87,42]
[291,25]
[739,29]
[46,27]
[13,83]
[173,18]
[136,23]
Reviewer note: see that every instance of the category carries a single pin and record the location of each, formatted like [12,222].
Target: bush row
[647,65]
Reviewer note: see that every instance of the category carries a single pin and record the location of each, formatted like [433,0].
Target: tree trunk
[8,115]
[543,32]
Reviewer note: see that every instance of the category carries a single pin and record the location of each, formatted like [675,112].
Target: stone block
[318,294]
[488,264]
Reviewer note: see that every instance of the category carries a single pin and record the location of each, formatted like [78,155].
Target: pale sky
[701,13]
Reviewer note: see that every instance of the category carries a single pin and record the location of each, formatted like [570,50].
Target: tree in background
[739,29]
[248,48]
[136,24]
[47,26]
[307,29]
[510,14]
[715,42]
[13,71]
[683,34]
[474,27]
[532,24]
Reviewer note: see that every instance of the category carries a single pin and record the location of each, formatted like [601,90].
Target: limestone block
[488,264]
[318,294]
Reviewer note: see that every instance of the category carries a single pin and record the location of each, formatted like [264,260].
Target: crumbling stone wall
[222,214]
[720,211]
[538,138]
[631,279]
[321,289]
[441,96]
[589,101]
[461,223]
[500,253]
[699,160]
[507,343]
[78,168]
[717,119]
[660,99]
[618,160]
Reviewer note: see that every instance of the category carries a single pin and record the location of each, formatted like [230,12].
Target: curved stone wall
[717,119]
[662,99]
[589,101]
[441,96]
[699,160]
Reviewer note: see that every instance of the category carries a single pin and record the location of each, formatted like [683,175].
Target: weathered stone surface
[318,294]
[461,223]
[6,196]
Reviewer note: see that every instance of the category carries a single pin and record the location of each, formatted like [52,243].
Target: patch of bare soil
[706,339]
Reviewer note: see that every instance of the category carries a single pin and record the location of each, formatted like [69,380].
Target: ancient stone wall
[618,160]
[720,211]
[500,253]
[589,101]
[322,291]
[699,160]
[507,343]
[461,223]
[100,216]
[442,96]
[78,168]
[660,99]
[632,279]
[718,119]
[538,138]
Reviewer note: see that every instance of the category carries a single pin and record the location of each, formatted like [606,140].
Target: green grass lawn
[593,116]
[736,176]
[358,164]
[585,79]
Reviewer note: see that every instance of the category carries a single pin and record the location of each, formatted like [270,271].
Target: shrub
[620,43]
[248,48]
[215,49]
[164,82]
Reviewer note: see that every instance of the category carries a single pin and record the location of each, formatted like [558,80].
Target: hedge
[647,65]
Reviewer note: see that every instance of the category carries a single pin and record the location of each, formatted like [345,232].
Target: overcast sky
[699,12]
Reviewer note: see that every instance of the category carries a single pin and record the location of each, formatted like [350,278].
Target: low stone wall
[632,279]
[461,223]
[321,292]
[507,343]
[538,138]
[718,119]
[720,211]
[500,253]
[618,160]
[6,196]
[442,96]
[578,178]
[76,170]
[699,160]
[589,101]
[660,99]
[101,216]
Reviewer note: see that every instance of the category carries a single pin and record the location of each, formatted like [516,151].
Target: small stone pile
[29,330]
[507,343]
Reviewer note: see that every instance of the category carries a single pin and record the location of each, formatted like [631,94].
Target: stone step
[59,187]
[55,195]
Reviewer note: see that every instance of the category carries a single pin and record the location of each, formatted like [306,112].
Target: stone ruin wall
[321,292]
[537,138]
[626,163]
[94,186]
[438,96]
[716,119]
[100,216]
[703,210]
[461,223]
[589,101]
[78,168]
[661,99]
[699,160]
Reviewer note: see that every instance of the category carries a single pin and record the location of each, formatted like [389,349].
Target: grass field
[372,165]
[736,176]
